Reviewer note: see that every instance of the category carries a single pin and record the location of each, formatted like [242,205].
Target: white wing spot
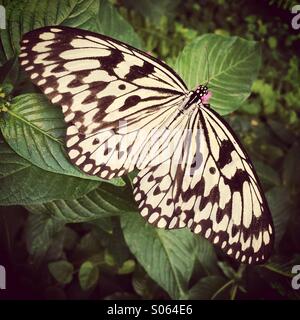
[173,222]
[216,239]
[69,117]
[138,196]
[87,167]
[72,141]
[80,160]
[73,153]
[144,212]
[57,98]
[162,223]
[153,217]
[41,82]
[198,229]
[207,233]
[72,130]
[47,36]
[55,30]
[48,90]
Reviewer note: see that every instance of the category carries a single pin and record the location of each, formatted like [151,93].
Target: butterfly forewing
[106,88]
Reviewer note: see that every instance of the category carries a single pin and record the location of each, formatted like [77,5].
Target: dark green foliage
[77,236]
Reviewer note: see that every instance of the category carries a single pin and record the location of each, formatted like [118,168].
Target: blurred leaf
[281,208]
[252,107]
[88,275]
[167,255]
[228,271]
[143,285]
[154,10]
[266,173]
[40,231]
[62,271]
[282,269]
[9,73]
[34,128]
[23,183]
[205,254]
[267,93]
[127,267]
[207,288]
[111,23]
[291,172]
[232,63]
[281,130]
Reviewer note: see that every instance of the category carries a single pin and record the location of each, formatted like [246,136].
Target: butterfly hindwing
[214,191]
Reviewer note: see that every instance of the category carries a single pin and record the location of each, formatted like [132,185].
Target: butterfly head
[203,94]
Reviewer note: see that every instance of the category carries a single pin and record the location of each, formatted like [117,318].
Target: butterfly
[127,110]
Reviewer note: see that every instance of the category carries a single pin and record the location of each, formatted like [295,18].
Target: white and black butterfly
[126,110]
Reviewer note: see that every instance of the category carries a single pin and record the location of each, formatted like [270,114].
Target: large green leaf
[34,128]
[167,256]
[281,208]
[229,63]
[93,15]
[103,202]
[23,183]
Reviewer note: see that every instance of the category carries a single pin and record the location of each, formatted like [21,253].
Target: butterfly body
[126,110]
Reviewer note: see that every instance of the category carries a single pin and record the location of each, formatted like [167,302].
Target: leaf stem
[225,286]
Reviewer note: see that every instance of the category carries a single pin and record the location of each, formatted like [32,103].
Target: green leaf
[283,268]
[232,63]
[268,95]
[167,256]
[205,254]
[93,15]
[35,129]
[206,288]
[266,173]
[62,271]
[23,183]
[40,231]
[127,267]
[154,10]
[111,23]
[88,275]
[26,15]
[291,174]
[281,209]
[105,201]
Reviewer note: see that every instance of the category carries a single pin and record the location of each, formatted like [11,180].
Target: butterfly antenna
[207,66]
